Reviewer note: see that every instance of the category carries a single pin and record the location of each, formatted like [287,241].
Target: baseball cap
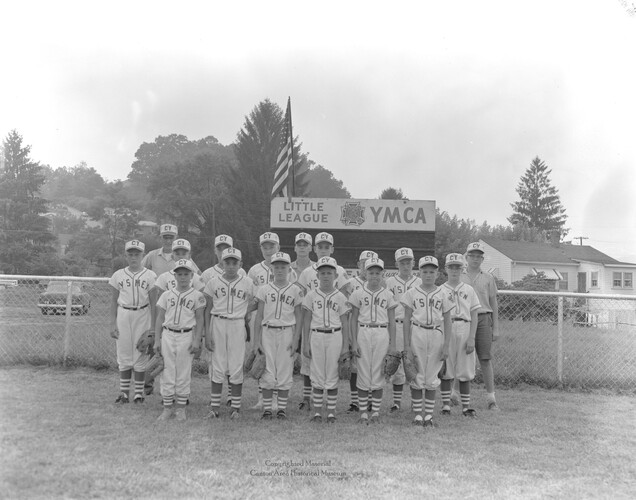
[455,258]
[475,247]
[135,245]
[303,237]
[324,237]
[428,260]
[223,239]
[265,237]
[281,257]
[374,262]
[367,254]
[183,264]
[403,253]
[168,229]
[231,253]
[181,243]
[326,262]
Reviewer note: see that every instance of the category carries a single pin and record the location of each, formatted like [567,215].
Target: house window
[563,284]
[594,279]
[622,280]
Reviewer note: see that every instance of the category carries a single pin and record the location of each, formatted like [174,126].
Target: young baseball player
[372,335]
[461,351]
[308,279]
[178,332]
[221,242]
[277,328]
[487,316]
[229,299]
[426,319]
[354,284]
[398,285]
[166,281]
[132,314]
[302,248]
[325,336]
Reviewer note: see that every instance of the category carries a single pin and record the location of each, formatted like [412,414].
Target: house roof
[526,251]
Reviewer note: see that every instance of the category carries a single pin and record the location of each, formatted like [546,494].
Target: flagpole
[291,192]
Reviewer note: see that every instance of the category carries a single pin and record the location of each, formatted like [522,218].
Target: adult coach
[487,315]
[161,259]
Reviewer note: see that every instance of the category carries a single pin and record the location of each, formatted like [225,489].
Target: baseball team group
[377,329]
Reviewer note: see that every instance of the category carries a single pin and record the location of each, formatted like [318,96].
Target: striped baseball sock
[429,404]
[307,388]
[397,394]
[464,391]
[332,398]
[318,396]
[282,400]
[124,381]
[182,399]
[168,401]
[140,378]
[267,399]
[237,393]
[376,400]
[353,386]
[445,391]
[363,397]
[215,396]
[416,399]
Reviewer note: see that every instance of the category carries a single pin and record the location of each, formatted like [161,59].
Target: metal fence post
[560,341]
[67,325]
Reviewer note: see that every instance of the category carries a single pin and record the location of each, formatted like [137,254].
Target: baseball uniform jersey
[167,281]
[216,270]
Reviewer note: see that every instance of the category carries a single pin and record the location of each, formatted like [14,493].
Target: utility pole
[580,238]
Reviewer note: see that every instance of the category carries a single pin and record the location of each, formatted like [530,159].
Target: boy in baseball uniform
[461,351]
[132,315]
[166,281]
[302,249]
[325,336]
[372,335]
[487,316]
[277,328]
[427,326]
[221,242]
[398,285]
[229,299]
[178,332]
[308,279]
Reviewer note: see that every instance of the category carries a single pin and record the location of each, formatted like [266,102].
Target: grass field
[63,438]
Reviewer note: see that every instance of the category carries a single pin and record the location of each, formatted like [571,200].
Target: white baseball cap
[475,247]
[265,237]
[326,262]
[303,237]
[455,258]
[181,243]
[168,229]
[324,237]
[223,239]
[231,253]
[367,254]
[135,245]
[374,262]
[184,264]
[428,260]
[403,253]
[281,257]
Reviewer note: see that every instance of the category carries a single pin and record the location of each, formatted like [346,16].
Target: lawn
[63,438]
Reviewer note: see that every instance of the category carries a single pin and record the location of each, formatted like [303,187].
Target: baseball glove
[258,366]
[146,341]
[154,368]
[344,366]
[410,367]
[249,361]
[392,362]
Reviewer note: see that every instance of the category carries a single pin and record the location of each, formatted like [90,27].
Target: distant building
[146,228]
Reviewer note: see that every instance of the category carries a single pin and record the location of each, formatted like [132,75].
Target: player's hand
[307,352]
[114,333]
[495,334]
[470,346]
[209,344]
[195,348]
[158,348]
[258,348]
[291,349]
[444,353]
[355,350]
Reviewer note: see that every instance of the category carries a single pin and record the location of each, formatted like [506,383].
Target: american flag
[284,176]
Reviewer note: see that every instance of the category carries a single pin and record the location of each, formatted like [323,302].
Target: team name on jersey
[326,304]
[282,298]
[432,302]
[181,302]
[376,301]
[136,282]
[460,295]
[223,292]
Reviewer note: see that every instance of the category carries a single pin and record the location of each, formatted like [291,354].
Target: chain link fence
[548,339]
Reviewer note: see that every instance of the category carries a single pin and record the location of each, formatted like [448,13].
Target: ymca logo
[352,214]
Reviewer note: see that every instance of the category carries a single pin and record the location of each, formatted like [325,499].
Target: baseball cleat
[493,406]
[445,411]
[331,418]
[428,422]
[180,414]
[394,408]
[122,399]
[364,418]
[304,405]
[281,415]
[316,418]
[235,415]
[228,403]
[138,399]
[375,418]
[212,415]
[418,421]
[353,408]
[469,412]
[267,415]
[165,415]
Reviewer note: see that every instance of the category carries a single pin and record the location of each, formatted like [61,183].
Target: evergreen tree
[392,193]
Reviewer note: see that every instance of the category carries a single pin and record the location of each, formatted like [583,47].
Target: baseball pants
[374,344]
[177,363]
[131,326]
[460,365]
[325,352]
[229,350]
[399,378]
[279,370]
[427,345]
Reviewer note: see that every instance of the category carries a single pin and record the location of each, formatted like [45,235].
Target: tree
[322,184]
[392,193]
[540,205]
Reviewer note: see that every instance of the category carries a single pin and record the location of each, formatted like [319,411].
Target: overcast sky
[449,101]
